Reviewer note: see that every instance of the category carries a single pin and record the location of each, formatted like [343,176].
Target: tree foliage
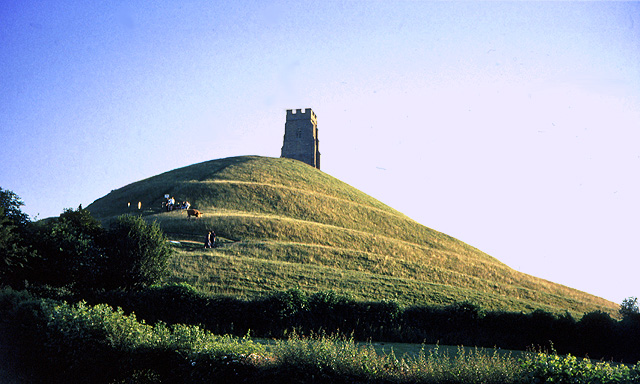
[11,204]
[14,250]
[69,249]
[75,251]
[138,253]
[629,307]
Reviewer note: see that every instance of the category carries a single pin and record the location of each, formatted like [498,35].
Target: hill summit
[283,224]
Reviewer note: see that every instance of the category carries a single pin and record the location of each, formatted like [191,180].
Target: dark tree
[12,211]
[15,253]
[138,253]
[69,250]
[629,307]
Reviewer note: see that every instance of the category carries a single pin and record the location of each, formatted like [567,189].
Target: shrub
[280,312]
[552,368]
[64,343]
[596,332]
[138,253]
[172,303]
[76,251]
[68,250]
[327,310]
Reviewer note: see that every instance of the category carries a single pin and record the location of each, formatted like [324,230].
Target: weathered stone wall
[301,137]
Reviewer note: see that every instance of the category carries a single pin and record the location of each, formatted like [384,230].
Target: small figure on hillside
[213,239]
[185,205]
[207,240]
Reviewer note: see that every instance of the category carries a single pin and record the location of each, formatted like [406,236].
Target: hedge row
[47,341]
[276,315]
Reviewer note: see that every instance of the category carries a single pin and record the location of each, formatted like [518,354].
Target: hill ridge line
[394,212]
[306,192]
[285,218]
[438,247]
[423,248]
[391,212]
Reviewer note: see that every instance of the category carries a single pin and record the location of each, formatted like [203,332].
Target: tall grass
[249,268]
[344,360]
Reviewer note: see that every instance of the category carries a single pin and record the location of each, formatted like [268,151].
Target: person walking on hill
[207,240]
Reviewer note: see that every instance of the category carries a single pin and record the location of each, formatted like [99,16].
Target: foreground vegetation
[280,314]
[46,340]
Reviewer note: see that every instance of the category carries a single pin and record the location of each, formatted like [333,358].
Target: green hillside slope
[283,224]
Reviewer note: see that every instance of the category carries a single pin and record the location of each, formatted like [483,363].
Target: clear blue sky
[514,127]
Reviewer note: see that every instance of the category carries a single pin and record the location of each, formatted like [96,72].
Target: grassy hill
[283,224]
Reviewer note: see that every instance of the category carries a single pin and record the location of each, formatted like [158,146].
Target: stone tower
[301,137]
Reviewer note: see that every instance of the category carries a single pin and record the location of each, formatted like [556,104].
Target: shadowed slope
[284,224]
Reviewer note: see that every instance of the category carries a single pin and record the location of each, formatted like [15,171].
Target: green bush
[288,306]
[75,251]
[69,253]
[64,343]
[552,368]
[138,253]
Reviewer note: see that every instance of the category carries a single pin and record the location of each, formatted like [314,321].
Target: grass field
[282,224]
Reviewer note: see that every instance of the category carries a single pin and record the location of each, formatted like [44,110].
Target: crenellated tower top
[301,137]
[299,114]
